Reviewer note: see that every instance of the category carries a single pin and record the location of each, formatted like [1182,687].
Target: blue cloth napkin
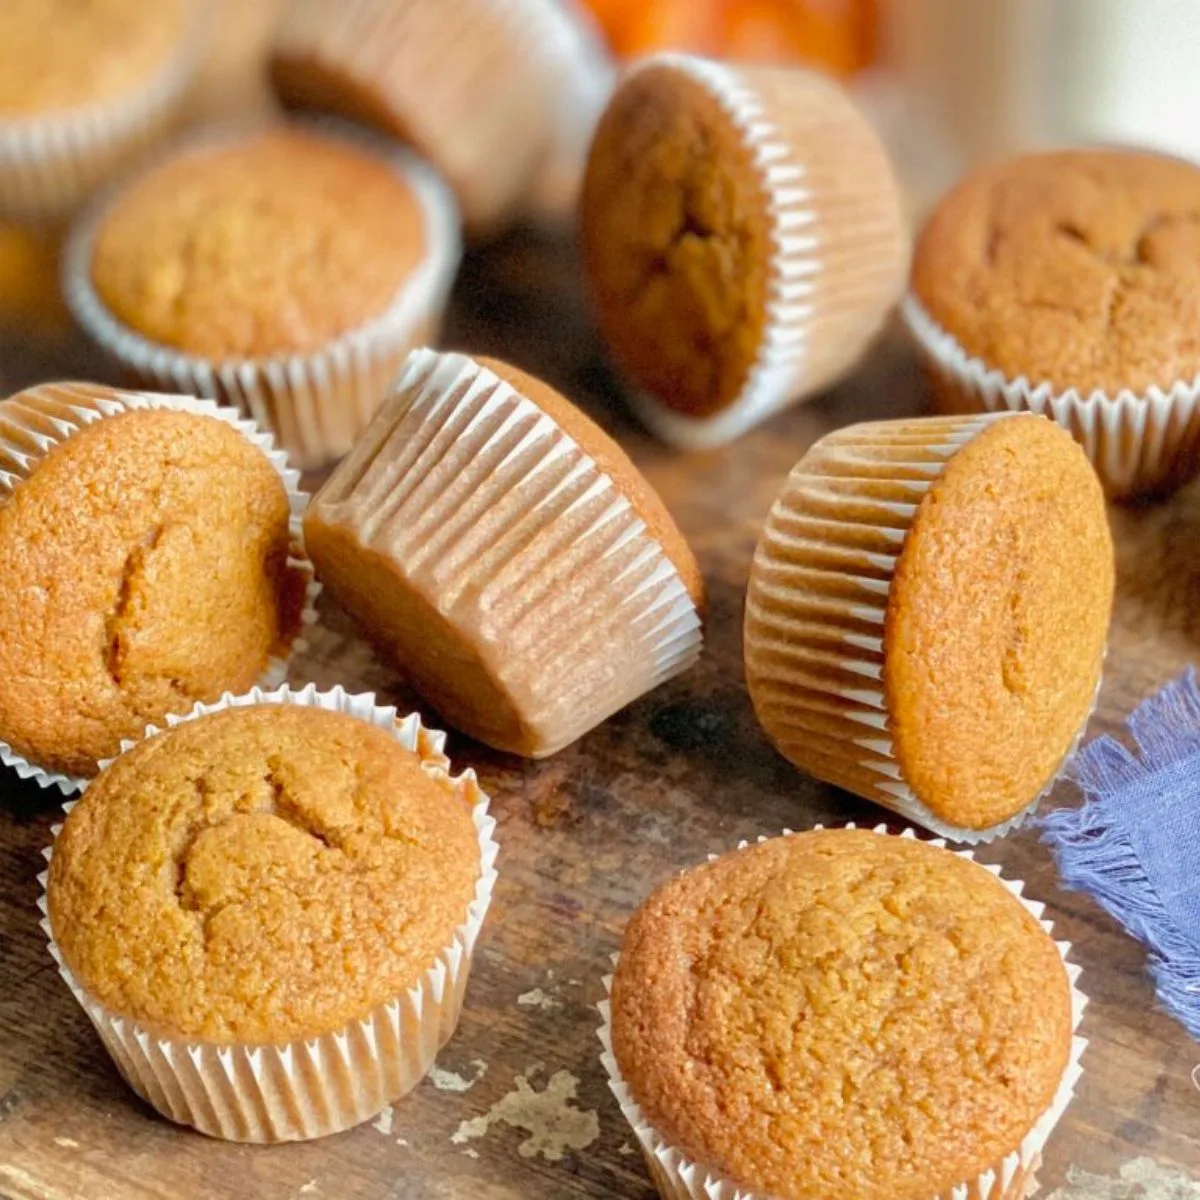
[1134,845]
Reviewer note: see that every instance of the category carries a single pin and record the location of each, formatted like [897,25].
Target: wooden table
[523,1109]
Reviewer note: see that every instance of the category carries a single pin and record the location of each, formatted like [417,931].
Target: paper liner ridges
[839,239]
[817,602]
[586,76]
[1138,442]
[309,1087]
[512,533]
[45,416]
[316,403]
[50,163]
[448,66]
[1013,1178]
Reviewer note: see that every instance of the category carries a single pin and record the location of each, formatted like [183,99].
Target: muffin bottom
[414,635]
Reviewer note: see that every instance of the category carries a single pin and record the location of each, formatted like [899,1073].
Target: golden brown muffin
[260,875]
[276,243]
[58,55]
[743,239]
[474,534]
[997,620]
[841,1015]
[143,567]
[677,238]
[1080,269]
[927,613]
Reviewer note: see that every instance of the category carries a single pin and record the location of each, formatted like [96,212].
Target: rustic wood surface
[584,837]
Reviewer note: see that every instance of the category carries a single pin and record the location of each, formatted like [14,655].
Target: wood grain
[584,837]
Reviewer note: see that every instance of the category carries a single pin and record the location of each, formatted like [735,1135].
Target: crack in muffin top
[261,874]
[1076,268]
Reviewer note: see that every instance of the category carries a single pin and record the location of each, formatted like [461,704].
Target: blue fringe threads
[1134,845]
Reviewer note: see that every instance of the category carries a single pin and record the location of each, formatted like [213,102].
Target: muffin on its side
[83,89]
[841,1015]
[743,239]
[927,614]
[147,561]
[290,887]
[506,555]
[1068,284]
[286,271]
[484,89]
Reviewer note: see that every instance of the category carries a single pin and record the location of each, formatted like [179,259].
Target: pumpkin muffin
[743,239]
[1069,284]
[267,876]
[286,270]
[506,555]
[841,1015]
[927,615]
[83,88]
[481,88]
[146,562]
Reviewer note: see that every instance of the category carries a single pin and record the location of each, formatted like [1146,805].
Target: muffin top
[143,566]
[275,243]
[996,621]
[1080,269]
[615,463]
[261,874]
[57,55]
[676,234]
[841,1015]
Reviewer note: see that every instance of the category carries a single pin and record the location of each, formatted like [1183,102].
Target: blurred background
[948,82]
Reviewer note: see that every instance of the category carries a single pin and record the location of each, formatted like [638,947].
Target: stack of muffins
[267,900]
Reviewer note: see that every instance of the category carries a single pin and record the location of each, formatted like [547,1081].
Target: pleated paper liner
[587,75]
[841,245]
[1012,1178]
[511,532]
[50,164]
[1139,443]
[309,1087]
[817,602]
[476,85]
[51,414]
[316,403]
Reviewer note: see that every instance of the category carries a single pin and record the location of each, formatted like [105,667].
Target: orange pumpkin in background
[839,35]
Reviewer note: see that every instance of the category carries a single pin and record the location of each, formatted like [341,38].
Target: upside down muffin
[506,555]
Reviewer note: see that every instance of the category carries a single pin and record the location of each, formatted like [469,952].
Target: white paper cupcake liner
[476,85]
[586,76]
[1138,442]
[799,644]
[316,403]
[841,248]
[50,164]
[51,414]
[1012,1178]
[309,1087]
[513,533]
